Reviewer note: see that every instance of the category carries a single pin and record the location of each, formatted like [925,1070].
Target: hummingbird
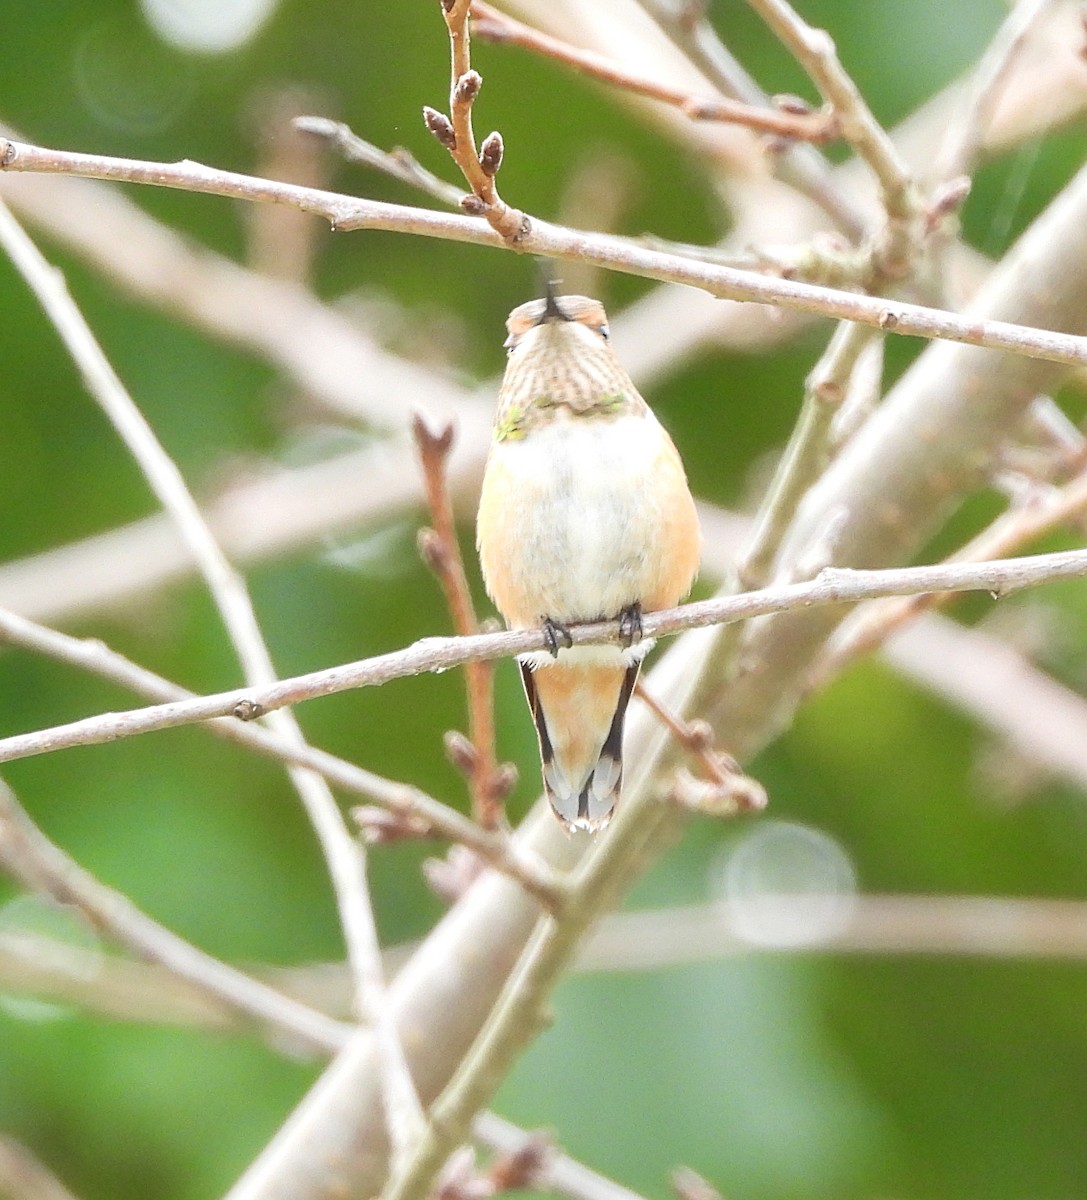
[585,515]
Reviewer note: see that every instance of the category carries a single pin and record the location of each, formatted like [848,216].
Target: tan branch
[408,802]
[804,125]
[553,241]
[478,165]
[28,855]
[490,784]
[23,1177]
[833,586]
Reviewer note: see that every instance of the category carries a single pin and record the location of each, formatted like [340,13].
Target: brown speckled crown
[558,372]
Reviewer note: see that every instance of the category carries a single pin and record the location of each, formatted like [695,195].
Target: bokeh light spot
[207,26]
[786,884]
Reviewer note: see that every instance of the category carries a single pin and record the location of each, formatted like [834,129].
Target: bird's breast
[571,517]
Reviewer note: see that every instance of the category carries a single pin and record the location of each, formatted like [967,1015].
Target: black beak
[552,311]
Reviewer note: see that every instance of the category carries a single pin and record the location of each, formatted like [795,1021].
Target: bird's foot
[630,625]
[556,636]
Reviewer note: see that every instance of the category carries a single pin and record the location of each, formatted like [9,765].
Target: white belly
[582,517]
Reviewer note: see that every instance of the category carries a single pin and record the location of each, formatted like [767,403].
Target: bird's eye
[604,333]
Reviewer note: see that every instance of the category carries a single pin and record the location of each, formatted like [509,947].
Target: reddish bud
[460,751]
[796,106]
[440,126]
[467,88]
[490,153]
[503,781]
[432,551]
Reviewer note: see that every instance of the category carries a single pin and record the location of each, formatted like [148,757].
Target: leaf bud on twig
[794,105]
[490,153]
[440,126]
[460,752]
[432,551]
[467,88]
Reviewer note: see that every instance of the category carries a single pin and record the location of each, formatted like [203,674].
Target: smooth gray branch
[555,241]
[493,847]
[28,856]
[837,585]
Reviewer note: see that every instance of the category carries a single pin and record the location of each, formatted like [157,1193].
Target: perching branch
[833,586]
[401,799]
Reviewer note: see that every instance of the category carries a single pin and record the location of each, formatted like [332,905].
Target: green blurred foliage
[776,1076]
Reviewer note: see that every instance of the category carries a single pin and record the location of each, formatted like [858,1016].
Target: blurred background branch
[281,378]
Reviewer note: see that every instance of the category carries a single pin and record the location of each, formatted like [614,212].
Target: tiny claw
[556,636]
[630,625]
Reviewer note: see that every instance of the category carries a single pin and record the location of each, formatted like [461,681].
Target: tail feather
[582,784]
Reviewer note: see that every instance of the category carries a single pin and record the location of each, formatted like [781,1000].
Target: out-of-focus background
[811,1073]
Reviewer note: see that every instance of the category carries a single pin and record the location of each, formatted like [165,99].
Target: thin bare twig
[398,163]
[553,241]
[343,855]
[28,855]
[410,803]
[803,125]
[1017,527]
[799,165]
[490,783]
[833,586]
[723,789]
[478,165]
[560,1173]
[814,50]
